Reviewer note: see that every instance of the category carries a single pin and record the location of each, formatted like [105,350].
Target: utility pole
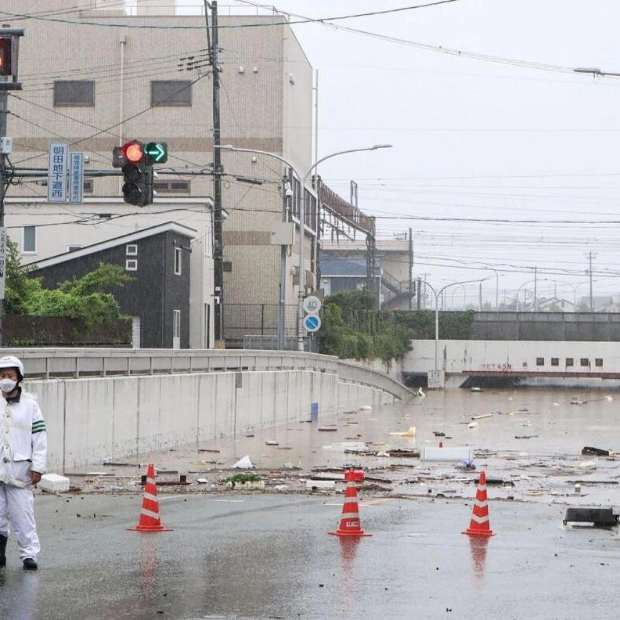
[591,295]
[9,42]
[218,238]
[410,270]
[3,186]
[286,195]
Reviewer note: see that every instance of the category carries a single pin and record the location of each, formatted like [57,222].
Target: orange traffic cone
[350,524]
[149,517]
[479,524]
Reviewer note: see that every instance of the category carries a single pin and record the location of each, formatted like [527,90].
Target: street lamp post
[436,295]
[519,290]
[301,198]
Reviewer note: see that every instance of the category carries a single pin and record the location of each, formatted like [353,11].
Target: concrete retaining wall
[89,419]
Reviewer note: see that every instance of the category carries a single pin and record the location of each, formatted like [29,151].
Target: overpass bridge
[120,403]
[465,363]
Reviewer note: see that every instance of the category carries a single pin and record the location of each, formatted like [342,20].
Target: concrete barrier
[91,419]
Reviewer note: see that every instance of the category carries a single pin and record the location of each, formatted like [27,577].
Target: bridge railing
[51,363]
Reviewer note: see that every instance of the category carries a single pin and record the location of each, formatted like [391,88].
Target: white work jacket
[23,435]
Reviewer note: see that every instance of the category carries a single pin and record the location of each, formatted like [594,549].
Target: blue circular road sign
[312,322]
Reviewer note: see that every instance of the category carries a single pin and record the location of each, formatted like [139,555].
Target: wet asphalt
[269,555]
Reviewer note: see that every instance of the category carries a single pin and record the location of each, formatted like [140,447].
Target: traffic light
[6,64]
[134,188]
[136,160]
[137,174]
[156,152]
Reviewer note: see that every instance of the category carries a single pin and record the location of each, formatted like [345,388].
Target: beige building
[96,75]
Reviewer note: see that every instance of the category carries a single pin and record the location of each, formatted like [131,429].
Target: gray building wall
[266,104]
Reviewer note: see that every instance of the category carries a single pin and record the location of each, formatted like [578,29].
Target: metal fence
[571,326]
[254,320]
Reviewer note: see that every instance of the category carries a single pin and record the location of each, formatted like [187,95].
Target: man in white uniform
[23,458]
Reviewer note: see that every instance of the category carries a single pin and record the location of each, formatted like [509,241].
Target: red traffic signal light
[6,65]
[133,152]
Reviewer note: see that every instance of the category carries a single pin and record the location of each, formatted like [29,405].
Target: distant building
[345,265]
[157,298]
[555,304]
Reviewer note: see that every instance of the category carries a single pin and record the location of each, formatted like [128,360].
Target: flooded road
[532,439]
[267,554]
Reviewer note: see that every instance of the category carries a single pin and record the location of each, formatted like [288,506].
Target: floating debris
[589,451]
[408,433]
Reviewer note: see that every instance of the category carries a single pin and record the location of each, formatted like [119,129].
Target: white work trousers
[17,509]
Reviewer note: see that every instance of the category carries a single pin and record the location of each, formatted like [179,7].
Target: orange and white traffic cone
[350,524]
[149,517]
[479,524]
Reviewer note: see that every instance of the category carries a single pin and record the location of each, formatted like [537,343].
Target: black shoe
[30,564]
[3,540]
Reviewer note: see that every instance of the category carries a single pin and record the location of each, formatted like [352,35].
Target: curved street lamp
[301,200]
[519,290]
[436,295]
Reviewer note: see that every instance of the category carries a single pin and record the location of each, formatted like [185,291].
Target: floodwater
[531,438]
[242,556]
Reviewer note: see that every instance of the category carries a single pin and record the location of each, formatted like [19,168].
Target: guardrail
[52,363]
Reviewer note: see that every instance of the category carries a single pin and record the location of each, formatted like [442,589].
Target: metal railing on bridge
[50,363]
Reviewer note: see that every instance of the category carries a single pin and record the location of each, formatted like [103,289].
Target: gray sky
[504,159]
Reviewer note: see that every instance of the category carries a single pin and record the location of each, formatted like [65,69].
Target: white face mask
[7,385]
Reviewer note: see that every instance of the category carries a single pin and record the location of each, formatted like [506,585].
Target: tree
[82,298]
[88,298]
[352,329]
[18,285]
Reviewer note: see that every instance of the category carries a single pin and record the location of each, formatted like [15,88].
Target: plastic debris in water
[467,464]
[244,463]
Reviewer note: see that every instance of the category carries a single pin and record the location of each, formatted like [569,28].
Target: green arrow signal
[157,152]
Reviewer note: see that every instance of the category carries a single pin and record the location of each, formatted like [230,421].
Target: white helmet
[10,361]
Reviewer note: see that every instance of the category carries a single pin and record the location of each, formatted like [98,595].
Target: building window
[584,361]
[227,266]
[176,323]
[30,239]
[131,249]
[598,362]
[178,260]
[555,361]
[74,93]
[540,361]
[172,187]
[89,186]
[131,264]
[569,361]
[171,93]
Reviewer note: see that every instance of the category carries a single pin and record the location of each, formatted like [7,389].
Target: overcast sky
[505,161]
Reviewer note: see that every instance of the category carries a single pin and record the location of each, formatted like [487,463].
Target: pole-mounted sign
[57,172]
